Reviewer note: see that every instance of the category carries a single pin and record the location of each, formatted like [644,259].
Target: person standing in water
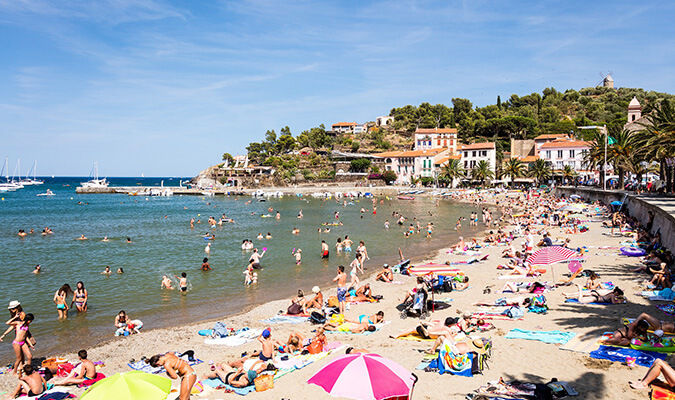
[166,283]
[324,249]
[205,264]
[80,297]
[182,282]
[254,260]
[60,298]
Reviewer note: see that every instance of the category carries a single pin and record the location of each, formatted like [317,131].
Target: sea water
[162,243]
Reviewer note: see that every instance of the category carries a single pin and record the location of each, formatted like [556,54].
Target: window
[473,153]
[571,153]
[560,154]
[559,165]
[466,164]
[466,154]
[483,153]
[445,143]
[548,154]
[438,142]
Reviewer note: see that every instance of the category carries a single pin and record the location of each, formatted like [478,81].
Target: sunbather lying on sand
[623,335]
[655,324]
[350,327]
[239,377]
[597,296]
[372,319]
[431,329]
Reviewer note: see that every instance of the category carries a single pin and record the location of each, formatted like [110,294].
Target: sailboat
[17,172]
[94,181]
[31,181]
[7,186]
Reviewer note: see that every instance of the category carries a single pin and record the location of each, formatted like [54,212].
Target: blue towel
[542,336]
[577,301]
[619,354]
[240,391]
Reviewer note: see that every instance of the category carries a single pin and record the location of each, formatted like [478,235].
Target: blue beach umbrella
[616,203]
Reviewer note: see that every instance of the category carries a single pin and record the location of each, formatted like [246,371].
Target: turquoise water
[164,244]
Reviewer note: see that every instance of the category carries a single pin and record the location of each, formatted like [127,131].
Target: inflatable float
[633,251]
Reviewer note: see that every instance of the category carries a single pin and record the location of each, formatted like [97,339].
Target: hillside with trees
[518,117]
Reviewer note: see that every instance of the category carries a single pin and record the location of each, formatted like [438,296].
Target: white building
[384,120]
[344,127]
[436,138]
[472,154]
[565,152]
[414,163]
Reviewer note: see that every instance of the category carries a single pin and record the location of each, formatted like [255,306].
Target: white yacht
[8,186]
[94,181]
[28,181]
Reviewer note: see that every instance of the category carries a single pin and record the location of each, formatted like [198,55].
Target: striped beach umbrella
[365,377]
[550,255]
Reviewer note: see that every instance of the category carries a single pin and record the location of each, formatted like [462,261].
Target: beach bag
[294,309]
[317,318]
[264,381]
[514,312]
[220,330]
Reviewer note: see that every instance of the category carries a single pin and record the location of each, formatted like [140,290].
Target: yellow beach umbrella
[134,385]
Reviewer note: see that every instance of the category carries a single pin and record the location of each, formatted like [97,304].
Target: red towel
[90,382]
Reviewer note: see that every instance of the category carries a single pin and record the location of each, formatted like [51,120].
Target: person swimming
[166,283]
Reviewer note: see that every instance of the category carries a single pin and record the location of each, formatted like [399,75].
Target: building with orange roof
[413,163]
[434,138]
[349,127]
[472,154]
[564,152]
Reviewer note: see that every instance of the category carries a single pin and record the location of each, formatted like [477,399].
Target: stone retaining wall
[638,206]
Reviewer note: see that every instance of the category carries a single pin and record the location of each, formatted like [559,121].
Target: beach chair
[575,269]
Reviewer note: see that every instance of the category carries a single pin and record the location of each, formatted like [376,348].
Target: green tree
[513,168]
[389,177]
[481,172]
[360,164]
[568,173]
[540,170]
[453,171]
[656,141]
[285,143]
[228,157]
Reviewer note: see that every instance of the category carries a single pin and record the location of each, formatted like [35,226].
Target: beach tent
[133,385]
[365,377]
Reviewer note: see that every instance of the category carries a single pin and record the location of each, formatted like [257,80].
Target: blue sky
[165,87]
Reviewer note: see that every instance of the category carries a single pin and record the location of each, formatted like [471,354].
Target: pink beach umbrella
[365,377]
[550,255]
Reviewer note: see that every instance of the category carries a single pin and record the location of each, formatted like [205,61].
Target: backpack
[317,318]
[220,330]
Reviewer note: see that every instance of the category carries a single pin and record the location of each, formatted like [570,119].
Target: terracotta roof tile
[551,136]
[436,130]
[563,144]
[479,146]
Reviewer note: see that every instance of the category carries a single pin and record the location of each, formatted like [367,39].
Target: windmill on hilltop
[606,80]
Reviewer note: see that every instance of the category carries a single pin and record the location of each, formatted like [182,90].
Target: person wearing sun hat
[316,302]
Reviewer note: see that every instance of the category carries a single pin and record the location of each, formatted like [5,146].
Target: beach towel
[662,391]
[90,382]
[653,295]
[495,317]
[53,394]
[143,366]
[242,337]
[597,304]
[286,319]
[619,354]
[415,337]
[667,308]
[542,336]
[447,361]
[217,383]
[377,328]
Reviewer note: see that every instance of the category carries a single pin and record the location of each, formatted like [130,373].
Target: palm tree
[656,141]
[540,169]
[568,173]
[453,170]
[513,168]
[482,171]
[620,152]
[594,159]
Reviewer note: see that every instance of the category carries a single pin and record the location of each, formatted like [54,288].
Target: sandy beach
[512,359]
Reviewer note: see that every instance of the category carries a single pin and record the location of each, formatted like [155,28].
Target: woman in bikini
[80,297]
[608,297]
[378,318]
[20,345]
[357,265]
[60,298]
[623,335]
[176,367]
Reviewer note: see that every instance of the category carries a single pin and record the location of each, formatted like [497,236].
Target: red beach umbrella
[550,255]
[365,377]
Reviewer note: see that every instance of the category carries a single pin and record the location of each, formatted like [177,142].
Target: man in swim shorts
[31,384]
[341,280]
[324,249]
[82,373]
